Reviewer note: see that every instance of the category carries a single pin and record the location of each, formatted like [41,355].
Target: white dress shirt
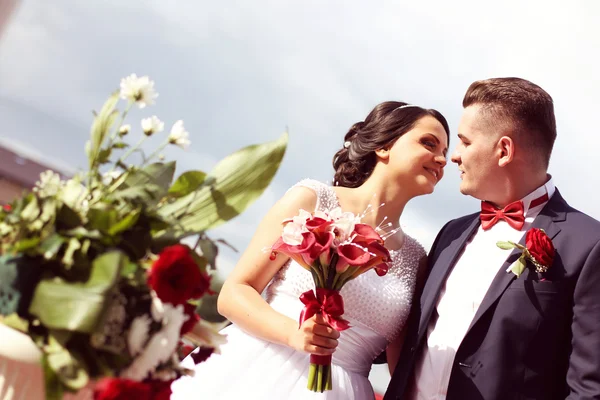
[461,296]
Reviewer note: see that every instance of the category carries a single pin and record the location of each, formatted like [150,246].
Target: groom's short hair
[520,106]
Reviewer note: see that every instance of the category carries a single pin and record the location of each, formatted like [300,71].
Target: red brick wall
[9,190]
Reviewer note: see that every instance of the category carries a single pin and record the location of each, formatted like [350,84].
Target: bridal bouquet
[93,268]
[336,248]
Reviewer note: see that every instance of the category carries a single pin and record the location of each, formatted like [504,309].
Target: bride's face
[417,159]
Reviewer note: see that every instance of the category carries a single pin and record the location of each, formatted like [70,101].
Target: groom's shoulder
[582,222]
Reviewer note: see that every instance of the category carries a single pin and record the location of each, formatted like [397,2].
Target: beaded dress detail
[376,307]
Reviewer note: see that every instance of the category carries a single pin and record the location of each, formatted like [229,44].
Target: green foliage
[71,248]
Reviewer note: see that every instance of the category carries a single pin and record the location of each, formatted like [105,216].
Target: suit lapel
[546,220]
[437,277]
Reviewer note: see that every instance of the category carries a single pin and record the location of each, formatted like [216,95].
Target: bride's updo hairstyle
[389,120]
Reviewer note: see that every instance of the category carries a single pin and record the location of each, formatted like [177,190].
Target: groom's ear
[506,150]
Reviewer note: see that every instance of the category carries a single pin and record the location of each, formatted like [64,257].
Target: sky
[240,73]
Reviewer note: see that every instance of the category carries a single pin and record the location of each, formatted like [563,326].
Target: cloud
[238,73]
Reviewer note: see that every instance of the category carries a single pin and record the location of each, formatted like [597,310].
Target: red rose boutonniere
[538,249]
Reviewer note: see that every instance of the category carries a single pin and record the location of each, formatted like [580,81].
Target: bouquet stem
[319,374]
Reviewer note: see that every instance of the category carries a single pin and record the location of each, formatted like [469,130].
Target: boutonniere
[538,249]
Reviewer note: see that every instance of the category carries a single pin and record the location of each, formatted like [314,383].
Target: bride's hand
[315,336]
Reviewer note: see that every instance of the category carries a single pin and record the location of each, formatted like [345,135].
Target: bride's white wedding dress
[250,368]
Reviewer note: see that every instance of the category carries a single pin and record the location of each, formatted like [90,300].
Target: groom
[478,331]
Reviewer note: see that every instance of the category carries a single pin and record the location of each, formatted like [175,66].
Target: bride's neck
[384,202]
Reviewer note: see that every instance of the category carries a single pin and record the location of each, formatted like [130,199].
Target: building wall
[9,190]
[7,8]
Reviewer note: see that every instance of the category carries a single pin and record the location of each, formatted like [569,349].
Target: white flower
[302,217]
[49,184]
[292,234]
[152,125]
[207,334]
[157,308]
[4,229]
[124,130]
[110,176]
[343,225]
[138,334]
[165,374]
[323,215]
[179,136]
[138,90]
[74,194]
[160,347]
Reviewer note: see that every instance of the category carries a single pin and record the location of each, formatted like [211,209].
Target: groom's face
[475,154]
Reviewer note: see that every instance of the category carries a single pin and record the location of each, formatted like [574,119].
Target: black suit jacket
[530,339]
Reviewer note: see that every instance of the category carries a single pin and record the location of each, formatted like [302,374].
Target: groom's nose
[455,158]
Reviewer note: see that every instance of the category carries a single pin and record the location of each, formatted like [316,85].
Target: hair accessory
[405,106]
[347,144]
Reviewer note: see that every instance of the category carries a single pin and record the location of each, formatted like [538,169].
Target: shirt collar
[548,188]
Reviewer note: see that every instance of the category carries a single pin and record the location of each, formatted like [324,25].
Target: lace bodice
[379,304]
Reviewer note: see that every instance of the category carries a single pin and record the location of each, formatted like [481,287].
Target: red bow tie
[513,214]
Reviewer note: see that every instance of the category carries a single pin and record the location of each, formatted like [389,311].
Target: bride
[398,152]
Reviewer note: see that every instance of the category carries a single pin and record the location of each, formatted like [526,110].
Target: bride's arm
[240,300]
[393,350]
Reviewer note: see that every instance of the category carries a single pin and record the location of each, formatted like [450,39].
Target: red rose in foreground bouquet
[336,248]
[176,277]
[125,389]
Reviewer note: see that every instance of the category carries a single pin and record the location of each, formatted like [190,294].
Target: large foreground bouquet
[336,248]
[93,269]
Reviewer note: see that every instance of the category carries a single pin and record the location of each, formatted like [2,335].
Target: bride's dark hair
[355,162]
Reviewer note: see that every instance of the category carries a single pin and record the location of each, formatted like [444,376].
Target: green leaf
[129,269]
[124,223]
[187,183]
[518,266]
[210,251]
[78,306]
[24,245]
[66,366]
[51,246]
[54,388]
[68,218]
[104,155]
[102,219]
[148,193]
[120,145]
[101,127]
[14,321]
[239,180]
[505,245]
[159,174]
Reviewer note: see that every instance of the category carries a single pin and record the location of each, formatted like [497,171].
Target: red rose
[176,277]
[202,354]
[185,350]
[121,389]
[161,390]
[125,389]
[193,318]
[540,246]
